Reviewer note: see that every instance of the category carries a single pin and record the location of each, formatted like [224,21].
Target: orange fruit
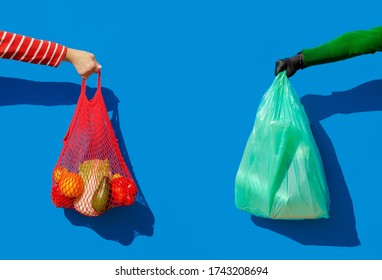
[71,184]
[58,171]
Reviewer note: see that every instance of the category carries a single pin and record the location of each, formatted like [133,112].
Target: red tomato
[123,191]
[59,200]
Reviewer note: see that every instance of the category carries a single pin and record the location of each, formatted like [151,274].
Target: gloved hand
[291,64]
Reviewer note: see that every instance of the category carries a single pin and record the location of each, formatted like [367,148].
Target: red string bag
[91,175]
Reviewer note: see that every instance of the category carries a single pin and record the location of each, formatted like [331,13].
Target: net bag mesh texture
[91,175]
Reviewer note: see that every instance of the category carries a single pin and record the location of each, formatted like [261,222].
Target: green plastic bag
[281,174]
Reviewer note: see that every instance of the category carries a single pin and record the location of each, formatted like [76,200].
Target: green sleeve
[345,46]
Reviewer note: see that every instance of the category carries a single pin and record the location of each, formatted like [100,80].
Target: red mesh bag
[91,175]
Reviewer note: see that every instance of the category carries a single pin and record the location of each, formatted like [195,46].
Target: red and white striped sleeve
[26,49]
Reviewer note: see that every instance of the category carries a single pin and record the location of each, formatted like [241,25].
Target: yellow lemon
[71,184]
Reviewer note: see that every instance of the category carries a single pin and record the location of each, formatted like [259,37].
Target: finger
[281,65]
[86,75]
[96,68]
[290,70]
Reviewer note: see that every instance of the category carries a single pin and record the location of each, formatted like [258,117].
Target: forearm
[26,49]
[346,46]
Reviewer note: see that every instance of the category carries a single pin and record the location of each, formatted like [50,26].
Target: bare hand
[84,62]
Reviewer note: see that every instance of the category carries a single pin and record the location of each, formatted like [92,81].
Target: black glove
[291,65]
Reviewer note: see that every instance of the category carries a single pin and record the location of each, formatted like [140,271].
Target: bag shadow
[340,228]
[122,224]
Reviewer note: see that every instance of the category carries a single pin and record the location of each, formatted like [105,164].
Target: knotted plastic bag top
[281,174]
[91,175]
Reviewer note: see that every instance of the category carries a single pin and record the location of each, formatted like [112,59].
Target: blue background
[182,81]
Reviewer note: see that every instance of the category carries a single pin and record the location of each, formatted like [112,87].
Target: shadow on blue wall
[340,228]
[121,224]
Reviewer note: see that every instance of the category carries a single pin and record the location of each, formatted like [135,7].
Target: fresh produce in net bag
[91,175]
